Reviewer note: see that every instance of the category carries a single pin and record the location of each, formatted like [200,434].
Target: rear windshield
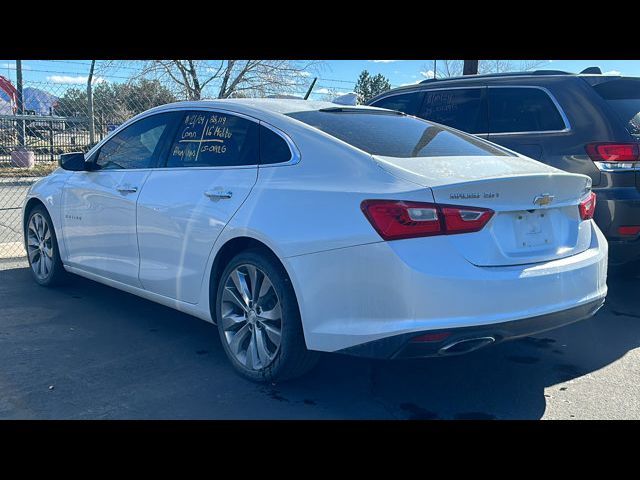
[394,135]
[624,97]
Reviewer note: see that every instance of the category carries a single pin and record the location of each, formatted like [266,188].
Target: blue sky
[338,75]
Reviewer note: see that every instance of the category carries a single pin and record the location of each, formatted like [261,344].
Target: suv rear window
[624,97]
[522,109]
[394,135]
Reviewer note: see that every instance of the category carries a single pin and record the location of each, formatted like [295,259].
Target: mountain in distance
[34,99]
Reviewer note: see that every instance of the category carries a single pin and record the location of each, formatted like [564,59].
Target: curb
[18,183]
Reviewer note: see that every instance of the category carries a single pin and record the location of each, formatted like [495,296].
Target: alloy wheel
[251,317]
[40,246]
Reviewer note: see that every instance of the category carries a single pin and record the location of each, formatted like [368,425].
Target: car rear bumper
[468,339]
[356,295]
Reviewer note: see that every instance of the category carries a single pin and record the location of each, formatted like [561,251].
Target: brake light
[394,219]
[614,156]
[587,207]
[629,230]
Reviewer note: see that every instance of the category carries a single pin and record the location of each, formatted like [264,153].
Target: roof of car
[537,74]
[256,105]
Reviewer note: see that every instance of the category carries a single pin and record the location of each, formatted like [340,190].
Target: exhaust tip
[465,346]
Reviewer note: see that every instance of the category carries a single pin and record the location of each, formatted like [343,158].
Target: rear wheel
[42,248]
[259,321]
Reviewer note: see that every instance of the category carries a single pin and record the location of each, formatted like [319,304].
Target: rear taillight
[587,207]
[629,230]
[614,156]
[395,219]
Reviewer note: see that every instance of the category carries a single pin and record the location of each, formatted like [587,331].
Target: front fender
[48,190]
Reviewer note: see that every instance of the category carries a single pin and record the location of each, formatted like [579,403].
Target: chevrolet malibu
[300,227]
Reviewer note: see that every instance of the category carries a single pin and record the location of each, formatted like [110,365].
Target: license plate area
[533,230]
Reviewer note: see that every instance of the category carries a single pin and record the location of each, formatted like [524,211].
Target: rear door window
[522,110]
[395,135]
[214,139]
[408,103]
[461,108]
[623,96]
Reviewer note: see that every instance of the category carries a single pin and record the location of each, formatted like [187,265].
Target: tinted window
[213,139]
[522,110]
[138,145]
[407,103]
[624,97]
[463,109]
[273,148]
[396,135]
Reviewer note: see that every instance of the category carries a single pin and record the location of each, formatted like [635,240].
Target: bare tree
[197,79]
[448,68]
[501,66]
[453,68]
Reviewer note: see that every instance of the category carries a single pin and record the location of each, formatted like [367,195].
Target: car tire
[43,253]
[259,321]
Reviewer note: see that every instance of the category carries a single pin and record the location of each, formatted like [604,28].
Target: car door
[99,205]
[464,108]
[522,118]
[210,169]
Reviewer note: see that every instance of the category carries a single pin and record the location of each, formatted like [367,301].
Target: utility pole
[435,72]
[470,67]
[20,102]
[92,125]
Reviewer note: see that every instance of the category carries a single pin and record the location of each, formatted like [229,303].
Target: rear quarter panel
[314,205]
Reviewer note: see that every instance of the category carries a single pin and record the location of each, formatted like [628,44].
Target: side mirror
[72,161]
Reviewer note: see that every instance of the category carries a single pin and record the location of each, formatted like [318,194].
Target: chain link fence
[63,114]
[58,118]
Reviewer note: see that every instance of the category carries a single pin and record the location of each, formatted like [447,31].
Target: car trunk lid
[536,215]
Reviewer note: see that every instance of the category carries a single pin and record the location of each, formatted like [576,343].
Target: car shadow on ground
[85,350]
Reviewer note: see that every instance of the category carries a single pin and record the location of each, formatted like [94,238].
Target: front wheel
[42,248]
[259,321]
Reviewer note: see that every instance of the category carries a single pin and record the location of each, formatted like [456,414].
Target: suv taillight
[587,207]
[395,219]
[614,156]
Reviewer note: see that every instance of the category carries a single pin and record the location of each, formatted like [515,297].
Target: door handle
[127,189]
[218,194]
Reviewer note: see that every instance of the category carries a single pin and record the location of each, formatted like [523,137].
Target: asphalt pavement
[87,351]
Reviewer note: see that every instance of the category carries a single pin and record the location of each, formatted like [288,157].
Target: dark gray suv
[583,123]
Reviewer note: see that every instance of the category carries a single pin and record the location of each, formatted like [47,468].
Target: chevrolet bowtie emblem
[544,199]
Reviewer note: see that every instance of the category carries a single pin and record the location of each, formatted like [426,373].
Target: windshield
[392,135]
[624,97]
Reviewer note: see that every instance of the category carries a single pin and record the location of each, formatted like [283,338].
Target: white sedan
[301,227]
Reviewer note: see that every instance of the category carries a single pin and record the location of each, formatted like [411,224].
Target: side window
[408,103]
[273,148]
[138,145]
[522,110]
[461,108]
[213,139]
